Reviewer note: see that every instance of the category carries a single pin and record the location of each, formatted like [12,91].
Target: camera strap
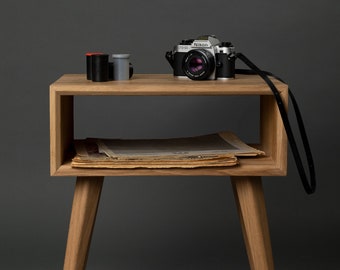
[309,185]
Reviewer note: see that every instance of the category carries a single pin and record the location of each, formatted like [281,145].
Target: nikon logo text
[201,44]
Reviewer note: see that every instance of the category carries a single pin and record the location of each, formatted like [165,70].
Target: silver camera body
[204,58]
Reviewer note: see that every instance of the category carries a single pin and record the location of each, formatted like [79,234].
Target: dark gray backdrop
[152,222]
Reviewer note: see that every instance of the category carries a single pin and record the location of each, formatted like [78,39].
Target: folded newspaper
[213,150]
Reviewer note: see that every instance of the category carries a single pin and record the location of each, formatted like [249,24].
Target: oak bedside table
[245,177]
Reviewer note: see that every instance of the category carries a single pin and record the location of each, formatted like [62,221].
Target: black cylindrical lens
[195,64]
[89,64]
[198,64]
[100,67]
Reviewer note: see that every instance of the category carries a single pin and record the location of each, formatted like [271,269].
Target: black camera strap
[309,185]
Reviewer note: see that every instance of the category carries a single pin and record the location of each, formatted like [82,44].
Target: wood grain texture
[272,132]
[250,202]
[273,137]
[61,128]
[262,166]
[84,210]
[164,84]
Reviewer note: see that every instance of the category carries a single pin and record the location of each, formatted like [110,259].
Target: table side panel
[61,128]
[272,132]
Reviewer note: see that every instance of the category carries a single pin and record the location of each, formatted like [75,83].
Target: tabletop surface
[164,84]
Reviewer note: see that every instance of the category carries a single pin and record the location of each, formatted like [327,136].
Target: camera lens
[195,65]
[198,64]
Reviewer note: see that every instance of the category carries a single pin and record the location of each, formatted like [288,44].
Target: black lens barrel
[198,64]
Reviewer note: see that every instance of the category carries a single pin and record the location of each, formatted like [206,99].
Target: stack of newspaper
[214,150]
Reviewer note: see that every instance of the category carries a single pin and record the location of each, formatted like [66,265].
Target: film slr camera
[204,58]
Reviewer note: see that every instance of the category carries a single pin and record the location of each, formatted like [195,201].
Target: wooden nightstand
[246,177]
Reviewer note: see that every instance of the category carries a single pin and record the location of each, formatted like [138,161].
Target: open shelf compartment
[273,138]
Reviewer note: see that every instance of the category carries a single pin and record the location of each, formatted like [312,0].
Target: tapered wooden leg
[84,210]
[249,198]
